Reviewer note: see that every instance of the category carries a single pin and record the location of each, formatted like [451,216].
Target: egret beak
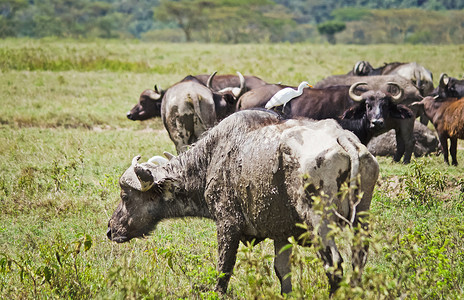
[310,86]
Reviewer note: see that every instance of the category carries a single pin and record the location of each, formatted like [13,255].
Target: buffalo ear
[355,112]
[401,112]
[230,99]
[169,188]
[443,81]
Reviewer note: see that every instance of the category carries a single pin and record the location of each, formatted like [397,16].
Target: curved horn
[357,66]
[210,80]
[154,95]
[444,79]
[168,155]
[398,96]
[353,87]
[145,177]
[418,75]
[238,92]
[135,160]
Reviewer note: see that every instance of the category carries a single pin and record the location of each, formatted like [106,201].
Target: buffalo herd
[256,172]
[185,119]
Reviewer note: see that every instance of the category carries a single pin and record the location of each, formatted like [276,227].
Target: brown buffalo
[447,115]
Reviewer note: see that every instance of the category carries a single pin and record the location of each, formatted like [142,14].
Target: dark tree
[330,28]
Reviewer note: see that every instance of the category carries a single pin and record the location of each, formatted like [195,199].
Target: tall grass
[65,140]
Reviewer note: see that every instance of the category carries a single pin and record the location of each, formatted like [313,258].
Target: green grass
[65,140]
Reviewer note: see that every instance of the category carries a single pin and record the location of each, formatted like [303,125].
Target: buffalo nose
[377,124]
[129,115]
[108,233]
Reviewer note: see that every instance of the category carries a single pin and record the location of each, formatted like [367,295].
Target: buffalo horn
[145,177]
[168,155]
[418,76]
[135,160]
[353,87]
[239,92]
[357,67]
[154,95]
[444,79]
[210,80]
[398,96]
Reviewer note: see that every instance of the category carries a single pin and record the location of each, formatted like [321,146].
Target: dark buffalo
[149,105]
[447,115]
[368,114]
[448,87]
[246,174]
[404,128]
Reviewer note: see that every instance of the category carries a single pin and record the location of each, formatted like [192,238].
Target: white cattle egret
[285,95]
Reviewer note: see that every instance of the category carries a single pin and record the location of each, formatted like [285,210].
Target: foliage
[405,26]
[422,187]
[60,270]
[225,21]
[235,21]
[188,14]
[330,28]
[258,269]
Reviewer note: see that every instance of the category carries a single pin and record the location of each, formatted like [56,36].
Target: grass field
[65,140]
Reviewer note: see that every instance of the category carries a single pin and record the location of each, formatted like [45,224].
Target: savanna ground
[65,140]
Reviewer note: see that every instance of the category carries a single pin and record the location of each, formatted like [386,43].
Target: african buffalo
[314,103]
[417,74]
[371,113]
[447,116]
[404,128]
[149,104]
[448,87]
[189,108]
[256,175]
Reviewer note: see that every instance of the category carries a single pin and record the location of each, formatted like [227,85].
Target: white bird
[285,95]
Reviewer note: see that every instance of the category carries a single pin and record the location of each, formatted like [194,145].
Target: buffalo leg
[405,140]
[444,146]
[282,266]
[453,150]
[360,248]
[227,254]
[331,258]
[399,146]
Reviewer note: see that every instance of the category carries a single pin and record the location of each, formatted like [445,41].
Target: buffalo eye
[124,196]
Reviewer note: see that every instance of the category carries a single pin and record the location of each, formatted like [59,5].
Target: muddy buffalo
[255,174]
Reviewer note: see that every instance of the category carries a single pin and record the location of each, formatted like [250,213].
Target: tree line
[238,21]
